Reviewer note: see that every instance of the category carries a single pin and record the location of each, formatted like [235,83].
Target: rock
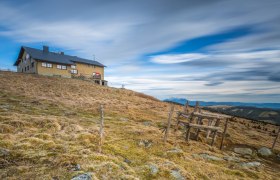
[264,151]
[85,176]
[123,119]
[250,164]
[153,169]
[4,152]
[175,151]
[76,167]
[232,158]
[127,161]
[147,123]
[209,157]
[243,151]
[177,175]
[145,143]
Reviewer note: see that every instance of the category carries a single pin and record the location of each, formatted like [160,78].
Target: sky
[207,50]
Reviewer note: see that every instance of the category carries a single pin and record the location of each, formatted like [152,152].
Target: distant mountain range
[203,103]
[266,112]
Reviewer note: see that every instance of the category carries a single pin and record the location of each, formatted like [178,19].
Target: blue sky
[199,50]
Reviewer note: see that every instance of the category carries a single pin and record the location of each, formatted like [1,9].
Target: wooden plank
[275,140]
[224,134]
[209,116]
[214,128]
[168,123]
[101,131]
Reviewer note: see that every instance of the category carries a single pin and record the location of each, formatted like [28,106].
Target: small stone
[145,143]
[264,151]
[127,161]
[177,175]
[147,123]
[85,176]
[77,167]
[232,158]
[123,119]
[243,151]
[210,157]
[4,152]
[175,151]
[153,169]
[250,164]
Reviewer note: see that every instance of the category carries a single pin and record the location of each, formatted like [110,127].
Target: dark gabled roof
[55,57]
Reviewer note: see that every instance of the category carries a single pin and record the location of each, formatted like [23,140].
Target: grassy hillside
[49,127]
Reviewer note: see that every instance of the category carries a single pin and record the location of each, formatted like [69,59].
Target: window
[32,64]
[73,66]
[49,65]
[27,68]
[74,71]
[61,67]
[44,64]
[24,68]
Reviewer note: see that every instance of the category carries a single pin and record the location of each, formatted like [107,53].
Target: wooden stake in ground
[196,108]
[101,131]
[186,107]
[275,140]
[168,123]
[224,134]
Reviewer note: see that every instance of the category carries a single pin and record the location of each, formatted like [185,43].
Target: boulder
[85,176]
[243,151]
[264,151]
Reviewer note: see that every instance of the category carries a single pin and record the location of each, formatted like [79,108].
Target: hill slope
[258,114]
[49,129]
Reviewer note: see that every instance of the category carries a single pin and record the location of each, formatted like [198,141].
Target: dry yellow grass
[50,124]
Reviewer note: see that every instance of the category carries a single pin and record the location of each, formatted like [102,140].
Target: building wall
[53,70]
[88,70]
[25,65]
[83,69]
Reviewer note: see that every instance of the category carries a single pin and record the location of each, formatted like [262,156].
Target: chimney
[46,49]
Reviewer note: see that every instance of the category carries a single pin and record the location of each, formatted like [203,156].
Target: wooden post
[177,122]
[214,138]
[168,123]
[196,106]
[275,140]
[186,107]
[210,123]
[101,131]
[224,134]
[188,133]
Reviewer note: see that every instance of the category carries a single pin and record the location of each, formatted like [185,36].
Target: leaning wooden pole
[275,140]
[224,134]
[101,130]
[168,123]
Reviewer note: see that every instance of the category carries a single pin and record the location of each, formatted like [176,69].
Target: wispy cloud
[163,47]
